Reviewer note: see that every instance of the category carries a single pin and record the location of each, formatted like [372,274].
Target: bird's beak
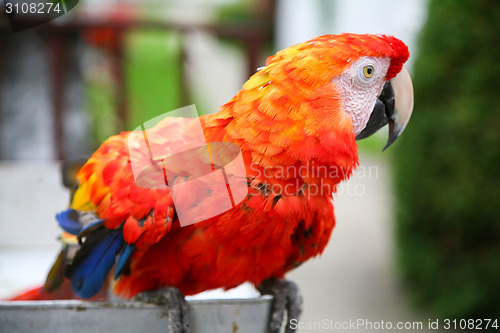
[394,107]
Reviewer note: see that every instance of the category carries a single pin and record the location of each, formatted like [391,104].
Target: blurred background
[418,232]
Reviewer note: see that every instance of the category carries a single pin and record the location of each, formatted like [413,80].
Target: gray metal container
[74,316]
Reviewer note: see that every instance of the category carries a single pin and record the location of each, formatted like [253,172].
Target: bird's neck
[293,142]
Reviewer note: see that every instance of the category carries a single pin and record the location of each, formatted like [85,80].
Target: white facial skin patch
[360,87]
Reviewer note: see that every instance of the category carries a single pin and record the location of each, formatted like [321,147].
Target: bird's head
[349,82]
[313,100]
[375,88]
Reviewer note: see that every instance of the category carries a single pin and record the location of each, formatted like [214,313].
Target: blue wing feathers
[99,247]
[124,259]
[77,222]
[94,260]
[69,222]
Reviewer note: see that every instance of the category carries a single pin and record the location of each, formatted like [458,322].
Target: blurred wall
[299,20]
[26,121]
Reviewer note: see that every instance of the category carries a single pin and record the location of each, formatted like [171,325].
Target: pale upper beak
[394,107]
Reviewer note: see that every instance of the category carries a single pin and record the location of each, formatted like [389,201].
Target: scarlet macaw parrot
[303,110]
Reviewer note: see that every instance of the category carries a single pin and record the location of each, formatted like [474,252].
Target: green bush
[447,164]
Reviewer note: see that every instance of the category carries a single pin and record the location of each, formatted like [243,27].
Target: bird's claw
[287,297]
[176,306]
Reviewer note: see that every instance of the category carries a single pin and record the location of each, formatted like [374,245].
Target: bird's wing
[123,202]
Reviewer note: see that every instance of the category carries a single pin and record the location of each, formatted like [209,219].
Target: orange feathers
[297,144]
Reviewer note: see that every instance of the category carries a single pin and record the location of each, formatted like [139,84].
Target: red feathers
[297,145]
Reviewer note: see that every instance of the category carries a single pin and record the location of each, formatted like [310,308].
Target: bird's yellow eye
[368,71]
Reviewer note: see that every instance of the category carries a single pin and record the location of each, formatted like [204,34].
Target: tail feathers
[30,295]
[64,291]
[82,268]
[56,273]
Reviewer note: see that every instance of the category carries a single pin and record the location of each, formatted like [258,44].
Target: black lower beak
[382,114]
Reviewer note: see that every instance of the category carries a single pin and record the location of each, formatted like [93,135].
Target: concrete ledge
[225,315]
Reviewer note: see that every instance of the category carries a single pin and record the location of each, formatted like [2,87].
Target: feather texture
[288,120]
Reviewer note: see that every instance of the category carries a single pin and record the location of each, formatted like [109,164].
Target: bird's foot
[287,297]
[175,303]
